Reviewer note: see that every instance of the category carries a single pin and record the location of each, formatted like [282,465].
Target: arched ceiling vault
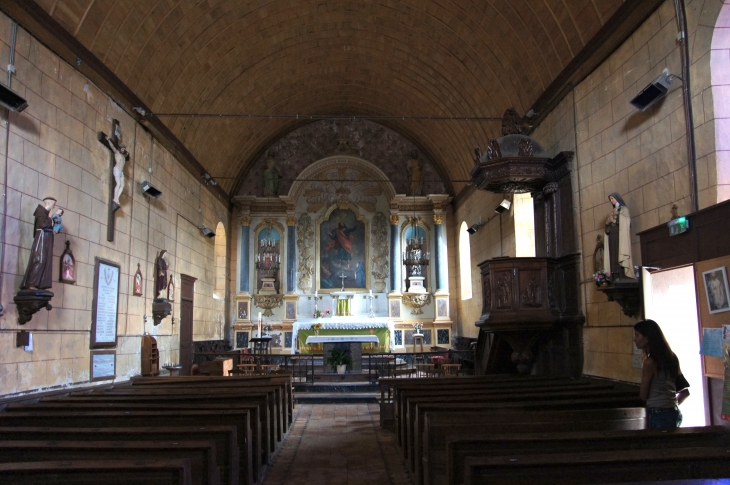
[425,58]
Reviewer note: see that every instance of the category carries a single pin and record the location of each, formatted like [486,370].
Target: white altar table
[341,326]
[326,339]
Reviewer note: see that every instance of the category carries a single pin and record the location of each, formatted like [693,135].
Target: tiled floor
[335,444]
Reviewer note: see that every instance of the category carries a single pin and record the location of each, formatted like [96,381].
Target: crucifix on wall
[119,156]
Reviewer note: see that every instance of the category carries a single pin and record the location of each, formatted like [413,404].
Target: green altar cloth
[383,335]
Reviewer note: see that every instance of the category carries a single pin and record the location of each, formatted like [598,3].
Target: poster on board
[104,311]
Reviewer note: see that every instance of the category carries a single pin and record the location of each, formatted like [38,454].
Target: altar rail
[304,367]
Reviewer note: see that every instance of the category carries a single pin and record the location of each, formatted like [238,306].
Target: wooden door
[187,293]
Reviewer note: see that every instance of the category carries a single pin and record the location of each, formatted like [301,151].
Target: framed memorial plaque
[103,365]
[104,308]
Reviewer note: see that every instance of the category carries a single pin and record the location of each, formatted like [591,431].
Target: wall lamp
[209,180]
[654,91]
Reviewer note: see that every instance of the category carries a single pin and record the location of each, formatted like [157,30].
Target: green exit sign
[678,225]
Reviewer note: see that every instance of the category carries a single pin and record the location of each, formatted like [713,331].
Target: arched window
[464,262]
[220,262]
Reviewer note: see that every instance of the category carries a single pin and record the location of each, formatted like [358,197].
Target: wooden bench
[94,472]
[240,419]
[201,454]
[224,437]
[600,467]
[440,428]
[573,442]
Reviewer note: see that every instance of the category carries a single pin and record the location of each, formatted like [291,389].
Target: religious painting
[716,290]
[137,284]
[242,310]
[67,273]
[291,310]
[343,252]
[268,259]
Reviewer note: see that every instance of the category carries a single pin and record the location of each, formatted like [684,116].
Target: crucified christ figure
[121,156]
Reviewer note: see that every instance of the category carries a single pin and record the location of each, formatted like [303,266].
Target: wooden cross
[102,137]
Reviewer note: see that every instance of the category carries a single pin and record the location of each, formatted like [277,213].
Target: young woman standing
[659,377]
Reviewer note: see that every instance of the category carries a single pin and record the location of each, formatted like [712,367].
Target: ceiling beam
[32,17]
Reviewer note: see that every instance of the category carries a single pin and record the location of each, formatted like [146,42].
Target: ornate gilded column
[395,256]
[243,254]
[291,254]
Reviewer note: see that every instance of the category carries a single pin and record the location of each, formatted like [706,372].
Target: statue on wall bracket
[161,307]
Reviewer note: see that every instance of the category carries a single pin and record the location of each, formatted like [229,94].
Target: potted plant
[417,327]
[339,359]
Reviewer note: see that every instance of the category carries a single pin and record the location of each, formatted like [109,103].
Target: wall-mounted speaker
[150,190]
[11,100]
[653,92]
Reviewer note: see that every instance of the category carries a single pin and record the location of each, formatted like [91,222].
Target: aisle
[338,444]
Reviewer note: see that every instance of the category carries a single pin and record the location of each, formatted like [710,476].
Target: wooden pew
[224,437]
[285,380]
[263,424]
[627,466]
[574,442]
[201,454]
[151,394]
[441,428]
[559,396]
[240,419]
[256,442]
[92,472]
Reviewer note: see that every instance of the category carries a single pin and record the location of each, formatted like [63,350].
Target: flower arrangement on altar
[317,326]
[268,328]
[417,327]
[320,313]
[602,278]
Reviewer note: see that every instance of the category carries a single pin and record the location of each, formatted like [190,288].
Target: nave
[338,444]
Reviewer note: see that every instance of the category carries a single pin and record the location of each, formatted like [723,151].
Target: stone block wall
[53,151]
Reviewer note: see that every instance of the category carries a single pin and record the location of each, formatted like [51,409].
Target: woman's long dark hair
[658,348]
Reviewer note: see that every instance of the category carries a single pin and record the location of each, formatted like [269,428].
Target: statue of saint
[120,158]
[39,273]
[617,247]
[160,273]
[271,177]
[415,174]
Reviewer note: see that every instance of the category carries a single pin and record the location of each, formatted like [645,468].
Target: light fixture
[209,180]
[503,206]
[207,232]
[654,91]
[150,190]
[11,100]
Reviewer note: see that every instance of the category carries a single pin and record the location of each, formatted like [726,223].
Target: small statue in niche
[68,265]
[171,290]
[617,259]
[674,212]
[160,273]
[137,290]
[271,177]
[415,174]
[39,273]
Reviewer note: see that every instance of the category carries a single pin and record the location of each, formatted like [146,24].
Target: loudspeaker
[503,206]
[653,92]
[150,190]
[207,232]
[12,101]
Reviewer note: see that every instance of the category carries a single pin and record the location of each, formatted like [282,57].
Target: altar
[381,327]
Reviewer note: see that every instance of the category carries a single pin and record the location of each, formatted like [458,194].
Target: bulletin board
[708,307]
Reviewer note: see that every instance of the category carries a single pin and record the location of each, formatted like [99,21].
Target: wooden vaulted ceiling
[410,58]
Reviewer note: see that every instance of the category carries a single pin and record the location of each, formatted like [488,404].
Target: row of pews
[173,430]
[539,430]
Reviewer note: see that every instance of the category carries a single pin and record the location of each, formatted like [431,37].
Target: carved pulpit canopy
[516,164]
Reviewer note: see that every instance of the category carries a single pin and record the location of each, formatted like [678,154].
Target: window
[464,262]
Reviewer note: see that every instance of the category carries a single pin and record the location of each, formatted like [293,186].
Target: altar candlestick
[259,324]
[371,293]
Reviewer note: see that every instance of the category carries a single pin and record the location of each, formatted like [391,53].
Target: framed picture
[242,310]
[343,250]
[103,365]
[104,309]
[67,273]
[716,290]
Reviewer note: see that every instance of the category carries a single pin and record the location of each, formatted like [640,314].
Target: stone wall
[53,151]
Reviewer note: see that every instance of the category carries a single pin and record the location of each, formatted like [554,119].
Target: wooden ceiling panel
[455,58]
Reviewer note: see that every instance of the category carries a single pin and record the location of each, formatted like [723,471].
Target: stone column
[395,254]
[244,256]
[291,254]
